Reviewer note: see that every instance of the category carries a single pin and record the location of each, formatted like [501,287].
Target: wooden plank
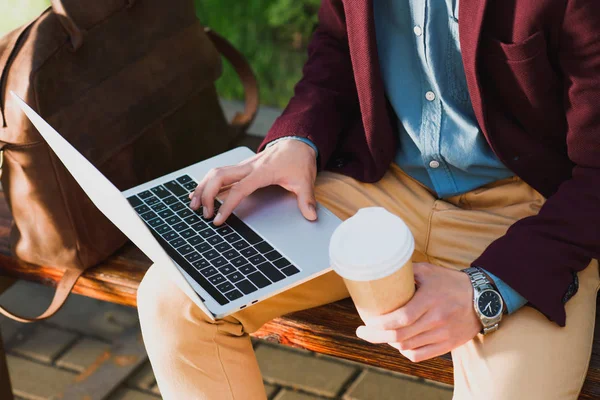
[110,369]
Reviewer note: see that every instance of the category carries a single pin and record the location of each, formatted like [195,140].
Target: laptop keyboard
[227,261]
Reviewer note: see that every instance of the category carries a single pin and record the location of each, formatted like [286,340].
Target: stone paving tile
[44,344]
[271,390]
[142,378]
[130,394]
[292,395]
[9,328]
[82,354]
[298,370]
[376,385]
[34,381]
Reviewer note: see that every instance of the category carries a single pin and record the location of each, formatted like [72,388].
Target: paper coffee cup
[372,252]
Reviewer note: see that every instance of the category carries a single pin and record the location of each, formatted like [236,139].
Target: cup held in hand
[372,252]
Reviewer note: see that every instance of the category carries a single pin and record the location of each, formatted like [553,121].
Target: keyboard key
[246,287]
[201,264]
[192,219]
[247,269]
[215,240]
[238,262]
[240,245]
[233,295]
[160,192]
[231,254]
[194,256]
[270,271]
[151,200]
[291,270]
[163,229]
[227,269]
[259,279]
[155,222]
[235,277]
[257,259]
[177,206]
[225,287]
[210,254]
[249,252]
[186,212]
[178,242]
[224,230]
[202,247]
[185,249]
[188,233]
[166,213]
[221,247]
[145,194]
[273,255]
[190,185]
[232,237]
[243,229]
[194,240]
[142,209]
[180,226]
[184,179]
[199,226]
[281,263]
[149,215]
[218,262]
[206,233]
[170,236]
[159,207]
[209,271]
[175,188]
[134,201]
[170,200]
[216,279]
[185,199]
[173,220]
[263,247]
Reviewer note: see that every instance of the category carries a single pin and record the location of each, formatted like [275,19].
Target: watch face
[489,303]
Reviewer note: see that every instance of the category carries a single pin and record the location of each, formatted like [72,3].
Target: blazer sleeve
[326,95]
[539,256]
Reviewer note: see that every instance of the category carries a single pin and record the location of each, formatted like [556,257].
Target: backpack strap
[241,121]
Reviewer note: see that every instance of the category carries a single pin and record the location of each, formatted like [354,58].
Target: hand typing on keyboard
[290,164]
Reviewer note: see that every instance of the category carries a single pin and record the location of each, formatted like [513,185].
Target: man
[477,123]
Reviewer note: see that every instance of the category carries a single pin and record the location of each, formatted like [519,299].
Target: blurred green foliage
[272,34]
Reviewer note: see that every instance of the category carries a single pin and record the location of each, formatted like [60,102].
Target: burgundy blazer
[533,72]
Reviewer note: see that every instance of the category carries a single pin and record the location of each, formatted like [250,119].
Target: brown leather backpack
[131,86]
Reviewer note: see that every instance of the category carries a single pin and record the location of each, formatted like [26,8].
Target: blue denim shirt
[441,144]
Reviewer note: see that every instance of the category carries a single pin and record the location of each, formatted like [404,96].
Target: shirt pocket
[456,78]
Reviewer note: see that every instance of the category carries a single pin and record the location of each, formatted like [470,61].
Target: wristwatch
[487,301]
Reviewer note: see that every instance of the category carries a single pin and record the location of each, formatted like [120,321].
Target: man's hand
[290,164]
[439,318]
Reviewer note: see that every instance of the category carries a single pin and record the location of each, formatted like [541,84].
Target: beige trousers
[528,358]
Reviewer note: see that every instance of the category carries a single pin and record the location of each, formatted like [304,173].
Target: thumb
[306,201]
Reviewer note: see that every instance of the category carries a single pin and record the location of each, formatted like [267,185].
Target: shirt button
[434,164]
[418,30]
[430,96]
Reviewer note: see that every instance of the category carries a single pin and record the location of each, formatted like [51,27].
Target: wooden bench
[327,330]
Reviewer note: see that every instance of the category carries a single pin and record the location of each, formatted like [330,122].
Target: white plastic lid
[371,245]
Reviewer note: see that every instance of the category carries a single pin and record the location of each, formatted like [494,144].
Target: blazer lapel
[360,25]
[471,13]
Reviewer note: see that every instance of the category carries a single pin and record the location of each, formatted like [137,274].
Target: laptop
[264,248]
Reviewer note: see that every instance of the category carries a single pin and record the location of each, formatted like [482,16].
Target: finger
[212,184]
[427,352]
[432,336]
[236,194]
[403,316]
[305,195]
